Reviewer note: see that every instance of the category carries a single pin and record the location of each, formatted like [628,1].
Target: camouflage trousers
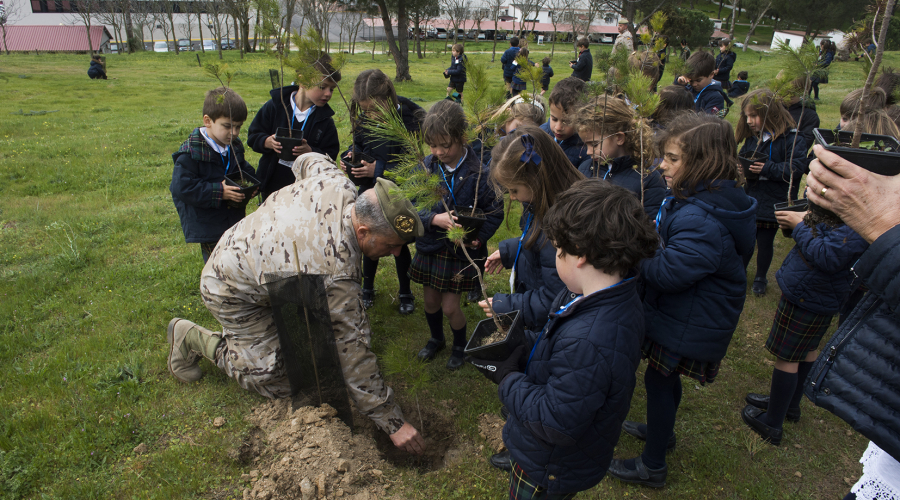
[250,353]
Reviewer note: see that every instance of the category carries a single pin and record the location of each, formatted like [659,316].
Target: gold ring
[823,192]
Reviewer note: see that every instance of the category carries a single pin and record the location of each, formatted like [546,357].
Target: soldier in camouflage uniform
[331,229]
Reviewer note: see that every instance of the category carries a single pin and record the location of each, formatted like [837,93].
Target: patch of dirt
[310,453]
[490,427]
[10,225]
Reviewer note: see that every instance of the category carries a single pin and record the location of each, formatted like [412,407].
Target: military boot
[187,342]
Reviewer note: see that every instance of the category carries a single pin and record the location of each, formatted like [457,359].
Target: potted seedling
[427,190]
[248,184]
[878,154]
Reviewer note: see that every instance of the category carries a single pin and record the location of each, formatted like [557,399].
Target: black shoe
[759,286]
[431,348]
[407,303]
[456,359]
[501,461]
[634,429]
[654,478]
[504,412]
[771,435]
[474,296]
[368,297]
[761,401]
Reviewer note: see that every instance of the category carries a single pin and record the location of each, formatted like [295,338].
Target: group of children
[663,277]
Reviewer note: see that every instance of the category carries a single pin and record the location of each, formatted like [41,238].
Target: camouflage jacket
[313,213]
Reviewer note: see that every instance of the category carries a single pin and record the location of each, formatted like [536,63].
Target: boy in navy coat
[569,389]
[456,72]
[206,205]
[698,80]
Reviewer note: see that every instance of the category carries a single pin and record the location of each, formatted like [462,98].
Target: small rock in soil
[140,449]
[218,422]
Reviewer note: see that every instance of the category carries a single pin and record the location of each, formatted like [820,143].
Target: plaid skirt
[444,272]
[762,224]
[522,487]
[795,331]
[667,362]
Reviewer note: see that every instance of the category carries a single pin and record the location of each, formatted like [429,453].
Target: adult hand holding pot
[865,201]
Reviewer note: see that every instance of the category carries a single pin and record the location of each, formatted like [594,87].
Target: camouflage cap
[398,211]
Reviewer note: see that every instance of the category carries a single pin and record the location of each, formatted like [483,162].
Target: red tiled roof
[54,38]
[469,24]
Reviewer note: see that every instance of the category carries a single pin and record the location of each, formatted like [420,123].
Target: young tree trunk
[719,15]
[733,19]
[399,47]
[200,28]
[755,23]
[172,25]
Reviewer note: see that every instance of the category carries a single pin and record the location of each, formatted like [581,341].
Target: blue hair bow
[529,155]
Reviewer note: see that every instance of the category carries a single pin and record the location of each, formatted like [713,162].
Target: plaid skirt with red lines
[795,331]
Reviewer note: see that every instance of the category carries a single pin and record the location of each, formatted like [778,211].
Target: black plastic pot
[252,185]
[878,162]
[750,158]
[470,222]
[498,351]
[288,140]
[794,206]
[360,157]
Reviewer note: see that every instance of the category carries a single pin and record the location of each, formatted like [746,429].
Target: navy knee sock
[765,249]
[783,386]
[403,262]
[435,322]
[802,373]
[663,396]
[370,268]
[459,338]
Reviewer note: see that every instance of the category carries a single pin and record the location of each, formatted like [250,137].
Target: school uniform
[738,88]
[438,261]
[572,146]
[724,63]
[815,281]
[509,55]
[709,99]
[457,72]
[518,84]
[584,65]
[621,172]
[774,180]
[804,114]
[316,125]
[545,79]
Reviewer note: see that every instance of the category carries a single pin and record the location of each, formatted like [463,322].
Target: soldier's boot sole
[183,361]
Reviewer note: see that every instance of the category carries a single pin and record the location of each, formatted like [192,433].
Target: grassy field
[93,265]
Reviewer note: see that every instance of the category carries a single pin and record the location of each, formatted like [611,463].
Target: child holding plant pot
[373,93]
[695,285]
[201,195]
[568,396]
[306,114]
[815,279]
[620,148]
[534,170]
[440,266]
[766,127]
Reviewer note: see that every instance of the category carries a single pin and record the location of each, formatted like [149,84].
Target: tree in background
[422,12]
[9,15]
[560,10]
[638,12]
[756,9]
[817,16]
[458,12]
[693,26]
[494,6]
[85,10]
[398,45]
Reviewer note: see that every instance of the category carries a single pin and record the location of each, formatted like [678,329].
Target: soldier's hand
[408,439]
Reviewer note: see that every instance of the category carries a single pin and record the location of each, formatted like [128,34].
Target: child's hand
[683,80]
[493,265]
[366,170]
[475,244]
[542,91]
[231,193]
[789,220]
[443,221]
[445,71]
[756,167]
[272,144]
[302,149]
[484,305]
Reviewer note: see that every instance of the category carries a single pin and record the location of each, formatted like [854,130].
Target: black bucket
[249,186]
[288,140]
[471,223]
[360,157]
[498,351]
[750,158]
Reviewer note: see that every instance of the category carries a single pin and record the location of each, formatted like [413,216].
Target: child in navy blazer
[439,265]
[456,72]
[815,280]
[569,394]
[709,97]
[695,286]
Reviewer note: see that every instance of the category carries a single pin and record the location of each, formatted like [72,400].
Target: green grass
[93,265]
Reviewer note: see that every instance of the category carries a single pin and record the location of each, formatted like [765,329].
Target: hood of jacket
[731,206]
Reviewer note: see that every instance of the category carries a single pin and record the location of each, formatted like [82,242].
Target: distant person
[97,71]
[548,74]
[518,82]
[507,60]
[740,86]
[685,51]
[826,55]
[199,191]
[724,63]
[584,64]
[456,73]
[624,41]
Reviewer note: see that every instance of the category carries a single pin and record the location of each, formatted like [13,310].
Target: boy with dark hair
[206,205]
[507,59]
[564,100]
[698,80]
[456,73]
[97,71]
[584,64]
[569,391]
[548,73]
[306,112]
[740,86]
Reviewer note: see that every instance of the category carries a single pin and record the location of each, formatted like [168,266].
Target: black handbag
[854,376]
